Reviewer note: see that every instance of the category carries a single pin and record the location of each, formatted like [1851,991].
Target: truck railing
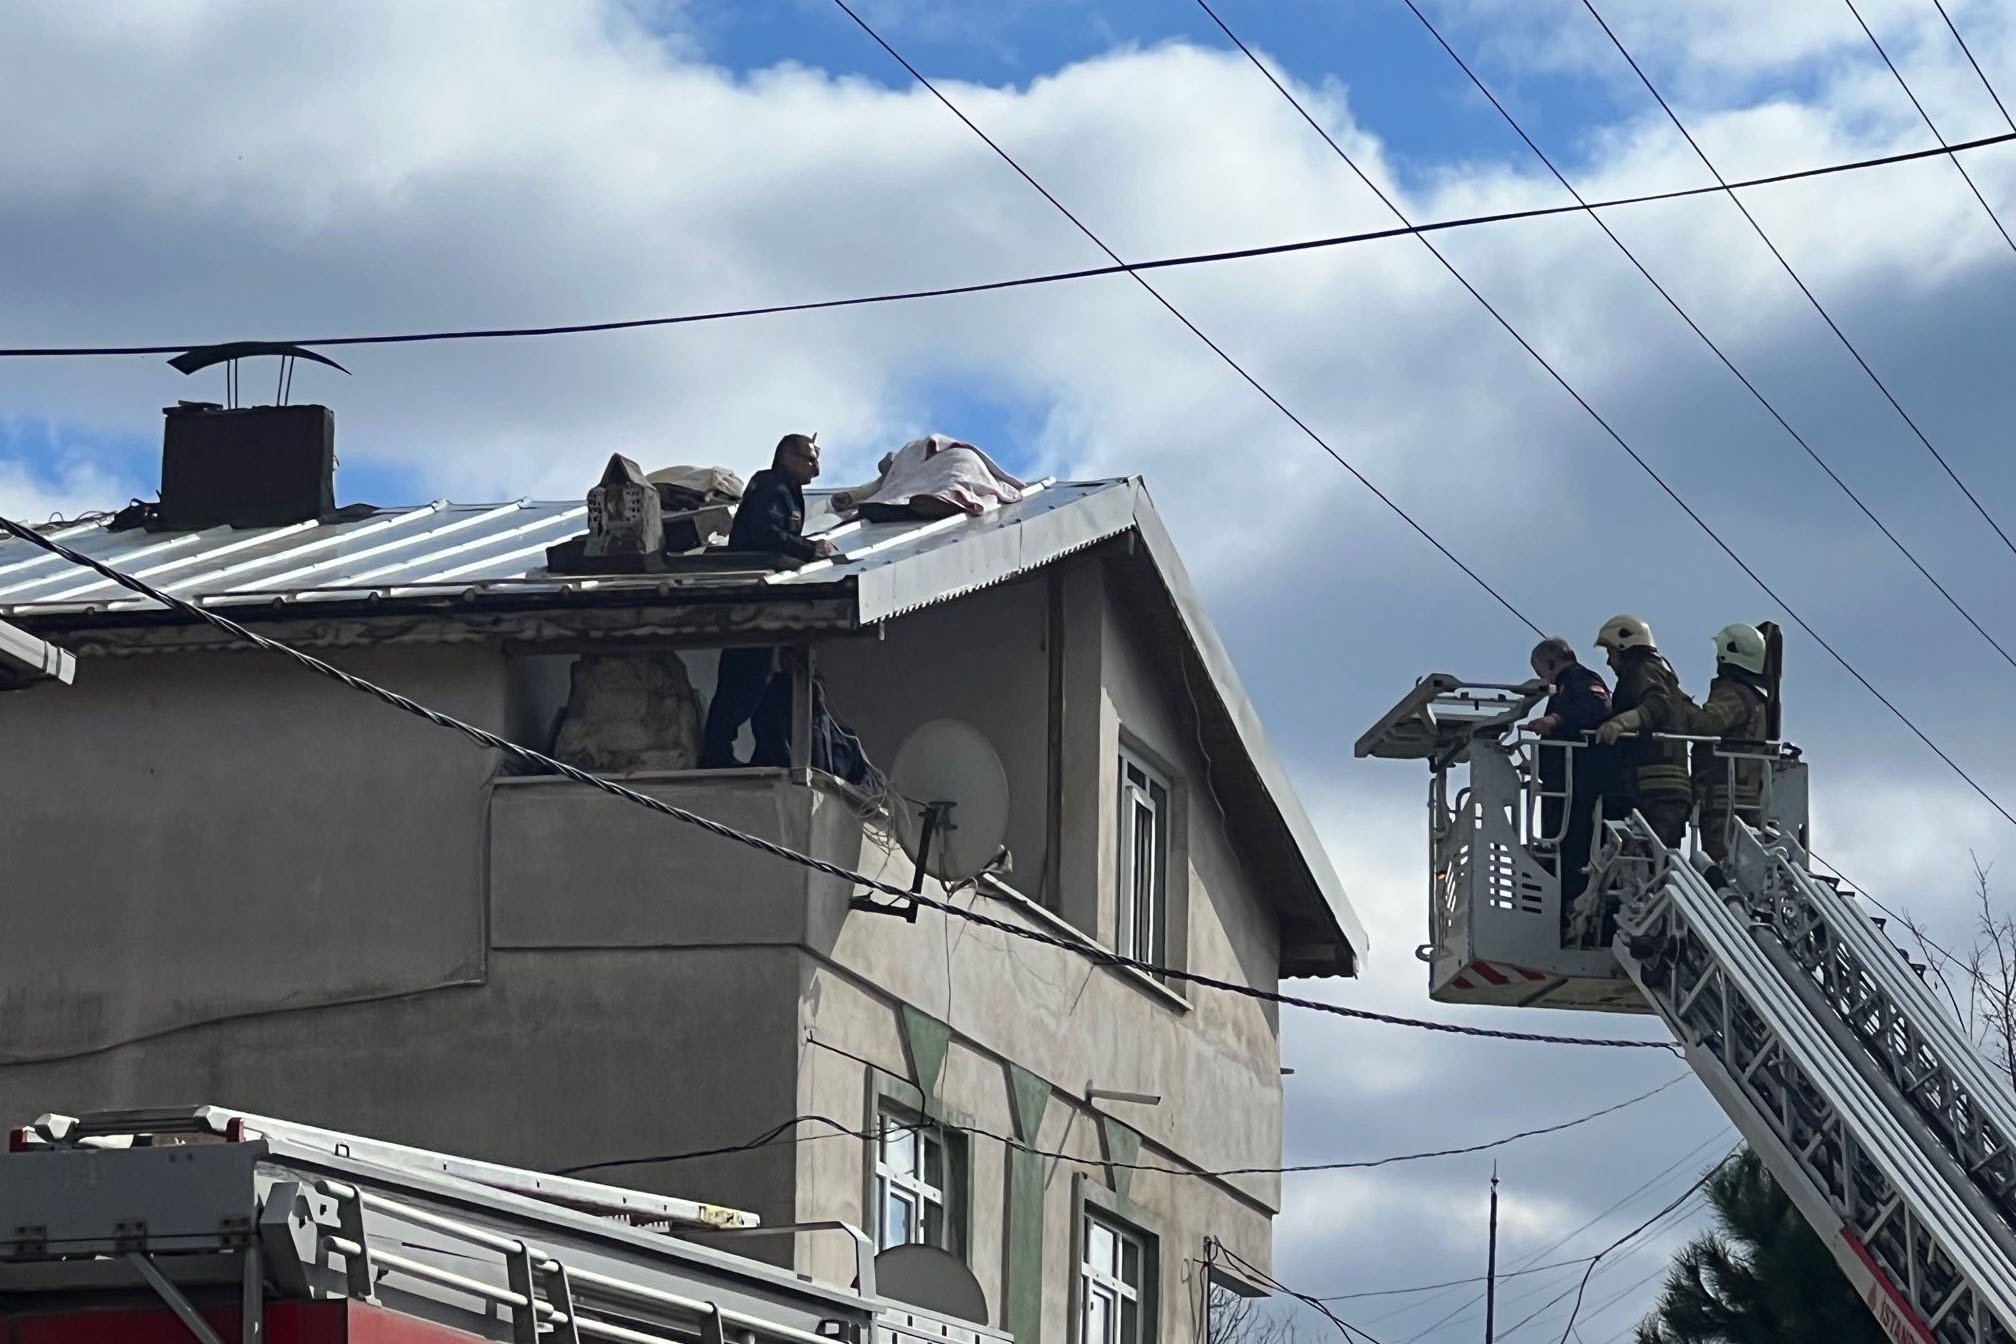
[204,1197]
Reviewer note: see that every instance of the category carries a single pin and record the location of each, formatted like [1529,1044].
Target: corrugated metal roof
[443,548]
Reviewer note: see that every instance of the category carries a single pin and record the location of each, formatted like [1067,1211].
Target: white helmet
[1625,632]
[1741,646]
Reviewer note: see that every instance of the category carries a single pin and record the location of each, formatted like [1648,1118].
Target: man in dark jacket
[1648,700]
[770,519]
[1579,703]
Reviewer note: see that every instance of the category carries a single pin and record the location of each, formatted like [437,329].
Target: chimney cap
[203,356]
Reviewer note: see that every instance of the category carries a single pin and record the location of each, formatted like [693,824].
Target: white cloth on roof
[943,468]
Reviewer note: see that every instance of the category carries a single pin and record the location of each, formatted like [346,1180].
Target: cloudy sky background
[199,170]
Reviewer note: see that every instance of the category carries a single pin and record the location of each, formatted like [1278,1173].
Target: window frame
[913,1186]
[1092,1205]
[1155,795]
[886,1093]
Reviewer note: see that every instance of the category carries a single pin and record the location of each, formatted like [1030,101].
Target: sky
[202,170]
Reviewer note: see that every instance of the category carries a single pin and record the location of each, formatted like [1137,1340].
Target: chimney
[256,466]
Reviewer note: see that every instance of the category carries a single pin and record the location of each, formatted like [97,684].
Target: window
[1112,1279]
[1144,861]
[910,1182]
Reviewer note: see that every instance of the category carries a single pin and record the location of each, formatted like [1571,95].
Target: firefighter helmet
[1741,646]
[1625,632]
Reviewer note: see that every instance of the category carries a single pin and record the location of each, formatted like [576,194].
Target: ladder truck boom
[1898,1211]
[215,1225]
[1863,1097]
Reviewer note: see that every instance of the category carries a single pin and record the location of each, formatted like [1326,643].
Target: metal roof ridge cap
[1218,666]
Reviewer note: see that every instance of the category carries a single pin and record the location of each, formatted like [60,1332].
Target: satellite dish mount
[953,809]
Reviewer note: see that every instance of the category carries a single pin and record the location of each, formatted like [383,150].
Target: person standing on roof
[1648,700]
[747,689]
[1570,796]
[771,516]
[1738,712]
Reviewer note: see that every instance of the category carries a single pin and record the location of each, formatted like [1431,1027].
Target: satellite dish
[952,800]
[931,1278]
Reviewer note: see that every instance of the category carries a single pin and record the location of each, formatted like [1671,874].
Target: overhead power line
[1748,385]
[540,761]
[1193,328]
[1018,282]
[1319,1305]
[1926,117]
[1465,1308]
[1605,425]
[1968,52]
[777,1133]
[1804,289]
[1583,1287]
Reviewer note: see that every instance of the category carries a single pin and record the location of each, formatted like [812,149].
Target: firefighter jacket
[1738,713]
[1654,770]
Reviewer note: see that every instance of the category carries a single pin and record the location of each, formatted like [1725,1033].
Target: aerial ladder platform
[1818,1037]
[223,1227]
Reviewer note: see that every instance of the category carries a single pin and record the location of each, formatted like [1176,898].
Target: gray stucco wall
[561,1058]
[980,659]
[193,837]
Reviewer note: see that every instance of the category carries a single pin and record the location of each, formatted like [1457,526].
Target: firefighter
[1569,799]
[1738,712]
[1647,700]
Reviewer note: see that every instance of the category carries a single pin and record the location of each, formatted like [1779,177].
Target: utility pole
[1491,1266]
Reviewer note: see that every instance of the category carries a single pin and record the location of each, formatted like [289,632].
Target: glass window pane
[934,1223]
[1098,1317]
[1130,1262]
[899,1148]
[934,1160]
[1130,1322]
[901,1222]
[1099,1248]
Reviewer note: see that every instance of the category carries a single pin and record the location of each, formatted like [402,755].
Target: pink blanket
[937,468]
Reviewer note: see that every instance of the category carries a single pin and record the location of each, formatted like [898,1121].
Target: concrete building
[232,881]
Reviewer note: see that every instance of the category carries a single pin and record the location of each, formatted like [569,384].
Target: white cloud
[214,169]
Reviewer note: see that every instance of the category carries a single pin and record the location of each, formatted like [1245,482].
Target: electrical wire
[1019,282]
[1609,430]
[1623,1201]
[1968,51]
[539,761]
[1453,1283]
[1364,1164]
[1926,117]
[1266,1280]
[1811,298]
[1715,349]
[781,1133]
[1692,1190]
[1194,329]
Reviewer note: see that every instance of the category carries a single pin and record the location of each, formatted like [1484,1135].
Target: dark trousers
[746,692]
[1667,815]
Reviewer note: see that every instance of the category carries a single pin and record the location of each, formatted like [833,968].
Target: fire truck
[1820,1039]
[211,1226]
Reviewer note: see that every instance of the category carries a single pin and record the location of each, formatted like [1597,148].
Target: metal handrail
[1535,795]
[545,1263]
